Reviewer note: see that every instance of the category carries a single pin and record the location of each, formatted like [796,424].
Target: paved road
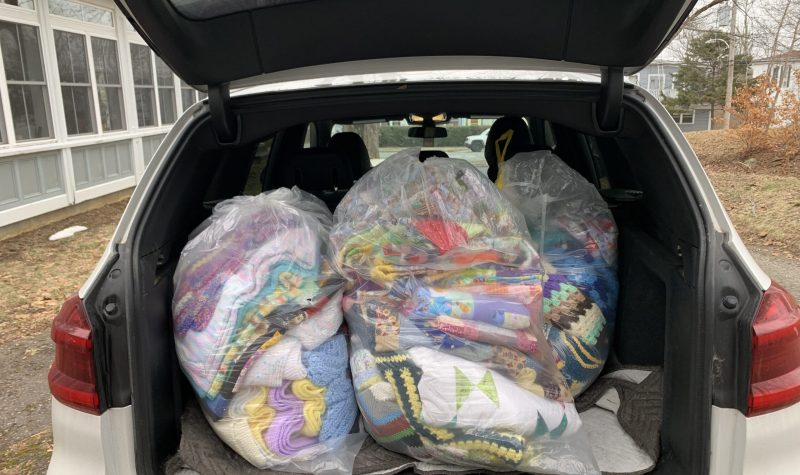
[783,270]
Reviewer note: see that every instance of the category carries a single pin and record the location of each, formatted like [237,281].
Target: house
[658,78]
[84,103]
[781,68]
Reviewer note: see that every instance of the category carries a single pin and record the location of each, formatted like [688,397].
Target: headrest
[508,136]
[426,154]
[318,169]
[352,147]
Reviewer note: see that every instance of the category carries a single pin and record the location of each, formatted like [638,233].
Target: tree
[702,77]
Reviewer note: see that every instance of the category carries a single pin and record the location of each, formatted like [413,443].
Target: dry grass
[764,208]
[30,455]
[723,150]
[36,275]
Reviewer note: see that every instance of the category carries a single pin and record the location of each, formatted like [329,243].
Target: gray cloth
[640,410]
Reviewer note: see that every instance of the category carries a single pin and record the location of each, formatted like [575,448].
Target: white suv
[693,302]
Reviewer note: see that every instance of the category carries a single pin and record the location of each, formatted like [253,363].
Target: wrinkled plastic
[257,317]
[444,302]
[576,236]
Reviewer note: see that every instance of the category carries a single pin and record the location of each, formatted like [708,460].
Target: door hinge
[608,110]
[224,121]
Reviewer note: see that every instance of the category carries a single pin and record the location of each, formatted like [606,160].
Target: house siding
[701,121]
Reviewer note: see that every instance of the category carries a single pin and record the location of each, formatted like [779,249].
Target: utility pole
[731,64]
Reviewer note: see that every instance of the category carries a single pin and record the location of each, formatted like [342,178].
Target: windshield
[466,139]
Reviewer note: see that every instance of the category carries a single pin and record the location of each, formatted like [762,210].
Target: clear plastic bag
[257,317]
[444,302]
[576,236]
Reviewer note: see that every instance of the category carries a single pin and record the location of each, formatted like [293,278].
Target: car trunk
[662,243]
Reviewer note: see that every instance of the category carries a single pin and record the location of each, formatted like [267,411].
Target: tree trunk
[370,133]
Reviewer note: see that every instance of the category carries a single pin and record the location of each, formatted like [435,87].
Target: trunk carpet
[622,412]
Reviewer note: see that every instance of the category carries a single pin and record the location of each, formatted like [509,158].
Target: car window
[466,139]
[310,139]
[254,185]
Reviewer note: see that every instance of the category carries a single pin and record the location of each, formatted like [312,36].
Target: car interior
[661,232]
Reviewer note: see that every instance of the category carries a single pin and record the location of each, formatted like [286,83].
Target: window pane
[73,66]
[78,109]
[19,3]
[8,184]
[163,73]
[94,156]
[110,159]
[79,167]
[73,70]
[187,98]
[166,100]
[142,69]
[106,63]
[30,111]
[22,57]
[145,106]
[124,156]
[81,11]
[112,116]
[51,173]
[28,177]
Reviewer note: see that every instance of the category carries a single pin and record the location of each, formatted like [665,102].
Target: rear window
[466,139]
[203,9]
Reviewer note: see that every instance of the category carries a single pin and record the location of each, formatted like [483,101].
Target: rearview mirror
[427,132]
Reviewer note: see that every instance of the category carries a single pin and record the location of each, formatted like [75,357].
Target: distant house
[780,68]
[658,79]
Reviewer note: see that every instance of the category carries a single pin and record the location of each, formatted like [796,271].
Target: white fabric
[614,450]
[282,361]
[514,408]
[635,376]
[321,326]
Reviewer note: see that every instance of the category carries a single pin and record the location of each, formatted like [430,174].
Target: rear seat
[354,150]
[327,174]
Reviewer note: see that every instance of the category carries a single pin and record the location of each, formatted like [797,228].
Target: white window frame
[88,30]
[56,17]
[176,85]
[681,116]
[662,84]
[22,16]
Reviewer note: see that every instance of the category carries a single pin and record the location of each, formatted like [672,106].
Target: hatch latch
[608,111]
[224,121]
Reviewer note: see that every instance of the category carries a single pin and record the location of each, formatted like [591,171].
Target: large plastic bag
[444,304]
[575,234]
[257,314]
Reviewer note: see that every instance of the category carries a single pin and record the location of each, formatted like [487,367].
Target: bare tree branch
[696,14]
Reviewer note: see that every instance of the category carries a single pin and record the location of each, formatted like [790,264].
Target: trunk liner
[639,412]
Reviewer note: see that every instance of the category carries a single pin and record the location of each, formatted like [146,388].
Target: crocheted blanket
[445,304]
[257,312]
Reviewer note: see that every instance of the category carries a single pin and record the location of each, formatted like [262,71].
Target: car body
[476,142]
[729,408]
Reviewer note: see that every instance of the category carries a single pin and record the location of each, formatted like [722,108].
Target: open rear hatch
[219,45]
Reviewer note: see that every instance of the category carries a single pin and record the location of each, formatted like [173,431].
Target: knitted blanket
[257,312]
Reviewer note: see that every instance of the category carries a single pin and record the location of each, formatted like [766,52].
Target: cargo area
[288,139]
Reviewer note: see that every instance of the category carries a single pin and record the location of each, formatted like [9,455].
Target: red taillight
[72,378]
[775,371]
